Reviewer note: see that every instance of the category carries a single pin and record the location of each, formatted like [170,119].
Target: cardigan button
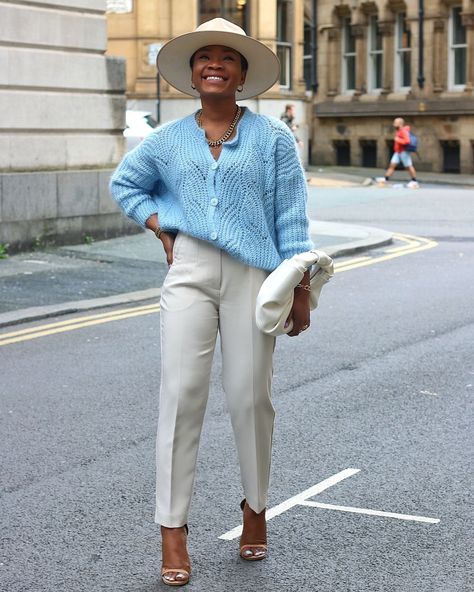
[214,201]
[213,235]
[214,166]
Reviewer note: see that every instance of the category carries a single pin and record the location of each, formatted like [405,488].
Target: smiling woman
[225,192]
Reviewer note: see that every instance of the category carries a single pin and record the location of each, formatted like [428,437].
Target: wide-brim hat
[173,59]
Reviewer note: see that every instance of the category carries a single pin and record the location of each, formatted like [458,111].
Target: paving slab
[120,271]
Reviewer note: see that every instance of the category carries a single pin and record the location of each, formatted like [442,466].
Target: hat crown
[221,25]
[173,58]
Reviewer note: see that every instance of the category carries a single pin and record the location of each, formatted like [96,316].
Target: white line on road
[369,512]
[295,500]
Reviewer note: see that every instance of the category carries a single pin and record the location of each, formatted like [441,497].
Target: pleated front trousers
[207,292]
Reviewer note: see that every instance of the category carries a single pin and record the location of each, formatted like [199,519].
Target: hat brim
[173,60]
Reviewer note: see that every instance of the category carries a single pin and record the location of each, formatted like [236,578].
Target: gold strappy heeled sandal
[175,553]
[253,542]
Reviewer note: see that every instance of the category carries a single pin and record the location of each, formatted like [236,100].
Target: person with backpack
[405,143]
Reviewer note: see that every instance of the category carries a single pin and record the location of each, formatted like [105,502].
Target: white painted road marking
[370,512]
[296,500]
[302,500]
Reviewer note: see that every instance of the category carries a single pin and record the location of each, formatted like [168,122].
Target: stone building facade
[385,58]
[137,27]
[62,107]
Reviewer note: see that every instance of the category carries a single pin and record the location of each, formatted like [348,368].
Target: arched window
[284,37]
[457,49]
[236,11]
[375,50]
[349,56]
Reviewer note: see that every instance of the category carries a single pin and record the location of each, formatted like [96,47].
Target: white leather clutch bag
[275,298]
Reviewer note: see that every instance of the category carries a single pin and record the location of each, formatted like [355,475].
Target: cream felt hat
[173,59]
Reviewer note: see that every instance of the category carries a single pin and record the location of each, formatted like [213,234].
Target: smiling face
[217,71]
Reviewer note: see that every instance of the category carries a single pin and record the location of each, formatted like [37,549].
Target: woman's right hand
[167,238]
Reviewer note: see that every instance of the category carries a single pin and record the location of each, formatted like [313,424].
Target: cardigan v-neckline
[230,142]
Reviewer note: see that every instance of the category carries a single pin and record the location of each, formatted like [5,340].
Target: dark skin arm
[167,238]
[300,311]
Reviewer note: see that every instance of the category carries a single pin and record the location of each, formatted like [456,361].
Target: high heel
[253,542]
[176,567]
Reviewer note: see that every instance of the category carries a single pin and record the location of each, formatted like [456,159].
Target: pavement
[119,271]
[330,176]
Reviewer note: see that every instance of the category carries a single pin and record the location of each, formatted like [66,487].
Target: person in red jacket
[400,154]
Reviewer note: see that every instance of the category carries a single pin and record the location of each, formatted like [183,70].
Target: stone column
[298,29]
[439,63]
[333,63]
[386,29]
[62,107]
[359,32]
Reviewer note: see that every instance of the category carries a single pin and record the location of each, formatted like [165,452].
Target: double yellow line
[77,323]
[412,244]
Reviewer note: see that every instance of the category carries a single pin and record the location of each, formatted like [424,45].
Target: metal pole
[314,47]
[158,98]
[421,43]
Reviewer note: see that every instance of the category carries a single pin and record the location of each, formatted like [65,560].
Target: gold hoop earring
[241,88]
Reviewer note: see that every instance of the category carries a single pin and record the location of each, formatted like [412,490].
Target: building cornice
[458,106]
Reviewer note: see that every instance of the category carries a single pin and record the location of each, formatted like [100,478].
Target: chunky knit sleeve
[134,180]
[291,220]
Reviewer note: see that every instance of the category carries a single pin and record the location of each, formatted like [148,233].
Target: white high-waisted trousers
[205,292]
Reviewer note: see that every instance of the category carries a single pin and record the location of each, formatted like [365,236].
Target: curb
[360,177]
[37,313]
[370,238]
[364,239]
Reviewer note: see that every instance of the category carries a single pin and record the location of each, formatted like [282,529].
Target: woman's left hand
[300,311]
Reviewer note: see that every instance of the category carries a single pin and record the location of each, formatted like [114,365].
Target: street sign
[153,50]
[119,6]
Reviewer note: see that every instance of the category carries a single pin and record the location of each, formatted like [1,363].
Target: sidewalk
[356,175]
[121,271]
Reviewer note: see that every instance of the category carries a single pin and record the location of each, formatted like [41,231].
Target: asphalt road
[383,383]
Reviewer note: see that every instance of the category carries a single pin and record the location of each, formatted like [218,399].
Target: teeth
[214,78]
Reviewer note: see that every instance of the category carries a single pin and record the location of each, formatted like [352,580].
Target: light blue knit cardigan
[251,202]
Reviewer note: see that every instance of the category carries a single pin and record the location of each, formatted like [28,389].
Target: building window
[368,153]
[348,57]
[236,11]
[342,149]
[375,55]
[458,49]
[403,53]
[451,156]
[284,42]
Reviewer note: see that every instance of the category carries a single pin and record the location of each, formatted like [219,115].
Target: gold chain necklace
[227,134]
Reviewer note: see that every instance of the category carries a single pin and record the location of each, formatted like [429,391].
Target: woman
[224,191]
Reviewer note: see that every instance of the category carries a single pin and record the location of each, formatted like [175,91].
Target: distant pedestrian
[288,117]
[401,154]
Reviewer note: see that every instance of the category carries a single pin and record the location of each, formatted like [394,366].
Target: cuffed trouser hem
[170,521]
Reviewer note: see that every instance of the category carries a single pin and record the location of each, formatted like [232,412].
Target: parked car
[139,125]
